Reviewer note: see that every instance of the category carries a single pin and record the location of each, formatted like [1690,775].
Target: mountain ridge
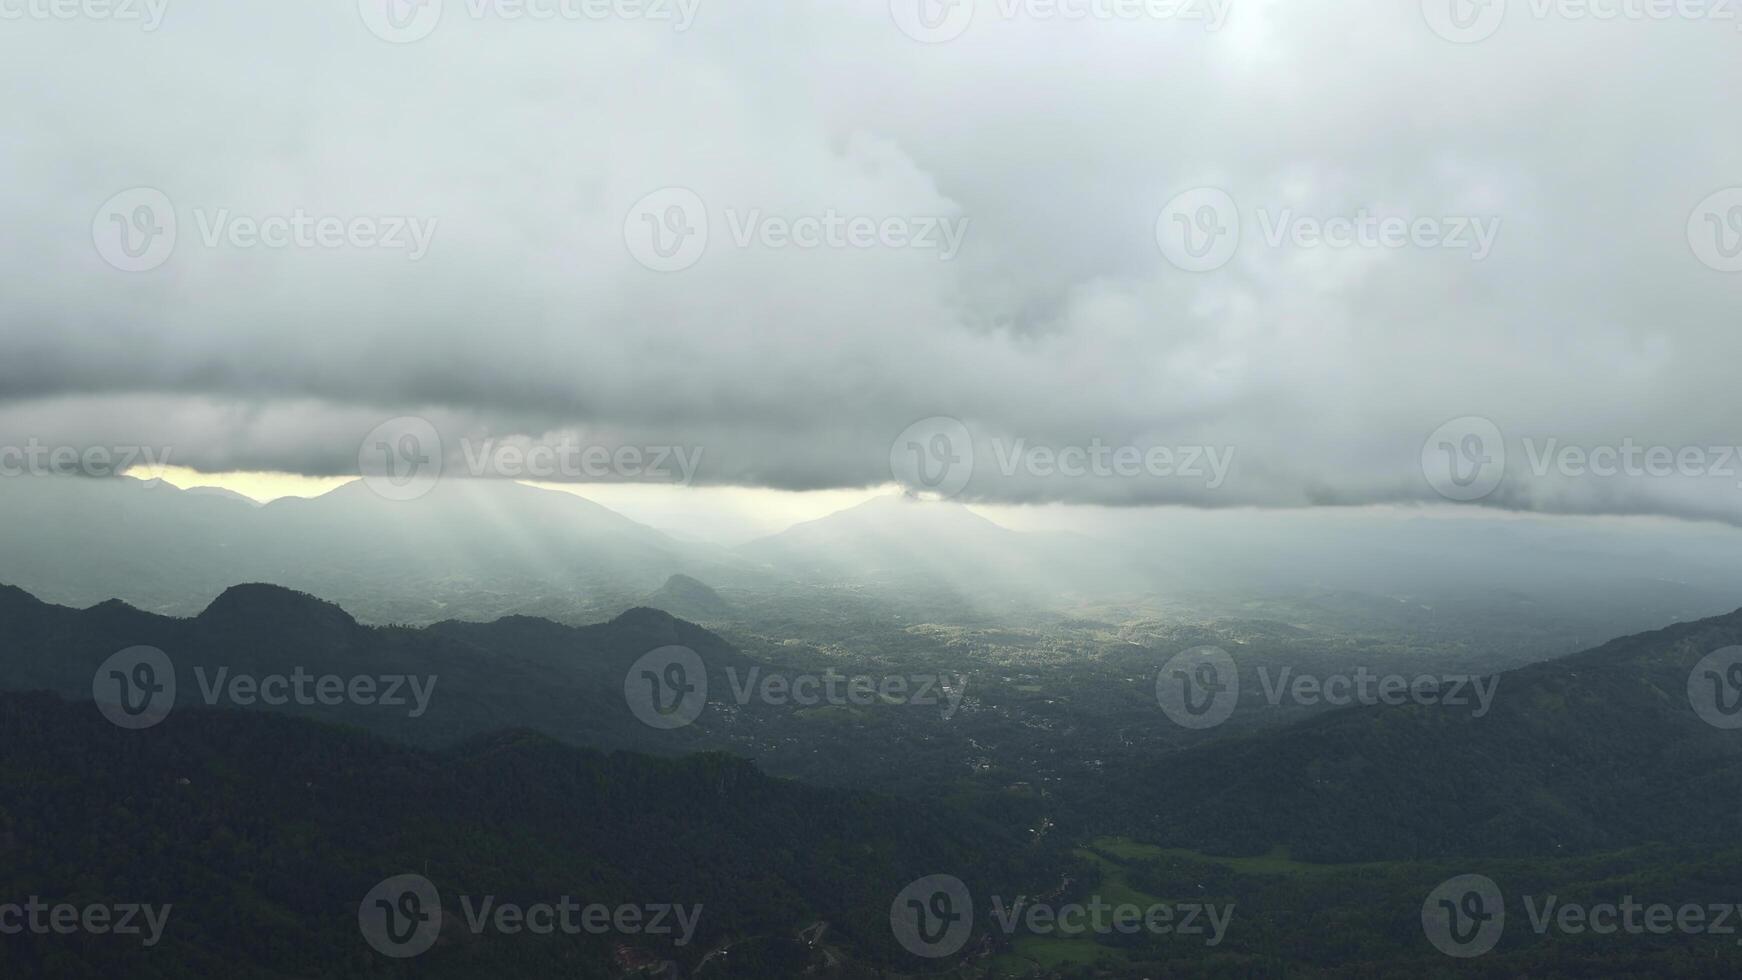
[1592,750]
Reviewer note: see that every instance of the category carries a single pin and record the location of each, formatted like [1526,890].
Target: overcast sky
[1013,219]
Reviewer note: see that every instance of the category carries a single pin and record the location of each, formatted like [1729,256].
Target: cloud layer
[1057,149]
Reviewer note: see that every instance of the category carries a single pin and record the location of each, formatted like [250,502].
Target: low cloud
[1051,148]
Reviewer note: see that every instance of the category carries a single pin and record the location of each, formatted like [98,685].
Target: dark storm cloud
[1050,147]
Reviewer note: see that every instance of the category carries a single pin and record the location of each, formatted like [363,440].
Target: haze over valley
[899,489]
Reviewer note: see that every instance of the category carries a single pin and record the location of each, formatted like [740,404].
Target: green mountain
[690,599]
[1598,750]
[567,682]
[264,834]
[476,549]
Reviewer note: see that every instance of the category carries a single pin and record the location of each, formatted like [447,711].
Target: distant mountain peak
[681,581]
[222,493]
[902,502]
[896,513]
[261,603]
[690,598]
[661,628]
[642,617]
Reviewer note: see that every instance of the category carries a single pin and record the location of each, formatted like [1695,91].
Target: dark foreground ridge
[265,833]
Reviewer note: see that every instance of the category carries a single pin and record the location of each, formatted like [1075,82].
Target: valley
[1049,751]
